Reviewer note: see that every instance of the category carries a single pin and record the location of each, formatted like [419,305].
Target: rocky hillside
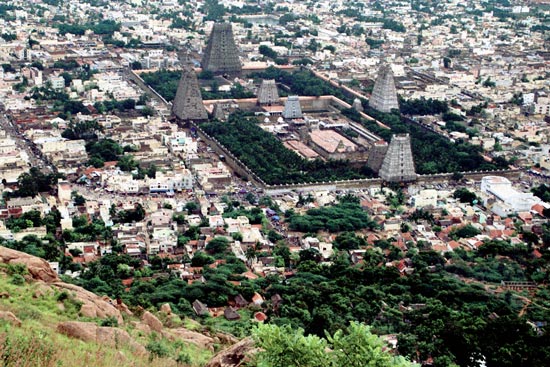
[46,322]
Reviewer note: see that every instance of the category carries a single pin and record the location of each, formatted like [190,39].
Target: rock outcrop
[152,321]
[10,317]
[189,336]
[92,305]
[235,356]
[166,308]
[38,268]
[90,332]
[42,273]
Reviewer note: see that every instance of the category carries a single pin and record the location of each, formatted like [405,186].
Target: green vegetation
[266,156]
[104,27]
[105,150]
[302,83]
[254,215]
[354,347]
[113,104]
[341,217]
[165,82]
[466,231]
[422,106]
[34,182]
[497,263]
[542,192]
[37,343]
[86,130]
[465,196]
[432,152]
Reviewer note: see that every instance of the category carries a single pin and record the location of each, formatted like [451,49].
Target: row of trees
[432,152]
[165,82]
[270,159]
[302,83]
[104,27]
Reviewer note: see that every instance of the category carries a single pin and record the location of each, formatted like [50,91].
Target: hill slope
[45,322]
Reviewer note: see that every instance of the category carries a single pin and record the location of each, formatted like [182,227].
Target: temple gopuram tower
[268,93]
[292,109]
[221,55]
[398,164]
[384,95]
[187,105]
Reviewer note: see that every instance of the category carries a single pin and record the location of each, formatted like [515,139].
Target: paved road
[36,158]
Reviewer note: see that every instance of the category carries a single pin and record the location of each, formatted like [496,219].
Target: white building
[57,82]
[508,200]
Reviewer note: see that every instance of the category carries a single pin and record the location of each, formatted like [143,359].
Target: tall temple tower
[384,95]
[377,153]
[398,165]
[292,109]
[268,93]
[221,54]
[187,105]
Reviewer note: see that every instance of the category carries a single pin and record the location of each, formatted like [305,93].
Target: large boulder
[38,268]
[235,356]
[85,331]
[10,317]
[90,332]
[189,336]
[166,308]
[152,321]
[92,305]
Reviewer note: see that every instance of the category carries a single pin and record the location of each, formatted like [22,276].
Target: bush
[23,350]
[183,358]
[158,349]
[62,296]
[20,269]
[17,279]
[109,321]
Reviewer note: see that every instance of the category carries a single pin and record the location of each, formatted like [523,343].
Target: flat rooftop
[332,142]
[301,149]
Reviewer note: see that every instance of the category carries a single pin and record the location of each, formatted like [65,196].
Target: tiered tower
[384,95]
[292,109]
[398,165]
[377,153]
[187,105]
[218,112]
[268,93]
[221,54]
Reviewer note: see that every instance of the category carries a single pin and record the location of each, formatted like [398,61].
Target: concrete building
[503,199]
[57,82]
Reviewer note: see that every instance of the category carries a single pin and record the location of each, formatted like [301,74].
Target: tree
[217,245]
[349,241]
[267,52]
[201,259]
[284,346]
[127,163]
[465,196]
[136,65]
[466,231]
[289,347]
